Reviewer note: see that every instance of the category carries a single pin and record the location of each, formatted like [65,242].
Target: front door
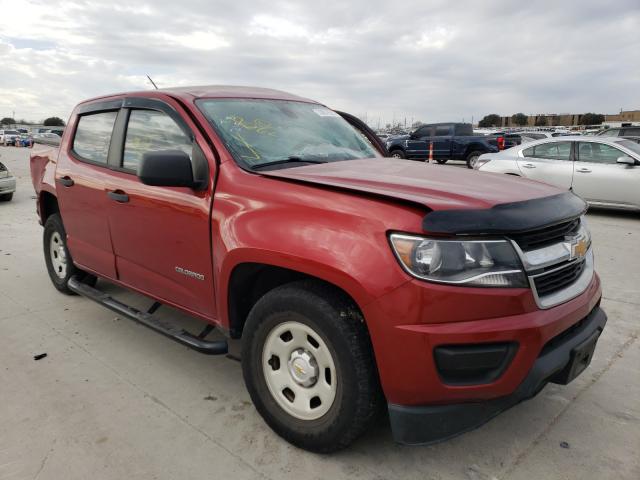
[599,178]
[81,177]
[161,235]
[550,162]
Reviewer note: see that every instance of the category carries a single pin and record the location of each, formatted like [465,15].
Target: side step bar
[198,343]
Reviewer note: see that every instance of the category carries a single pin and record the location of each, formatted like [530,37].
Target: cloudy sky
[426,60]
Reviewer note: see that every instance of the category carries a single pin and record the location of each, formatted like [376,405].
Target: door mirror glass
[166,168]
[626,160]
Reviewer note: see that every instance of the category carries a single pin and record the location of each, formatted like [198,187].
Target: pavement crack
[620,301]
[44,461]
[536,441]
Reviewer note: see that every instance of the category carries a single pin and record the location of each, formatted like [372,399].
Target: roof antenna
[152,82]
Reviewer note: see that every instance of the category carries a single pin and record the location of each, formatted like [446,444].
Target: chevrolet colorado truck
[355,282]
[443,142]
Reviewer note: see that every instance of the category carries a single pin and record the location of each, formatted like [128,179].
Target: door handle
[66,181]
[584,170]
[529,165]
[119,196]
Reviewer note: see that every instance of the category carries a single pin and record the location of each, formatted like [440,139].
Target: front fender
[336,236]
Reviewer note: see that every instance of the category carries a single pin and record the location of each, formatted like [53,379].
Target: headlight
[477,263]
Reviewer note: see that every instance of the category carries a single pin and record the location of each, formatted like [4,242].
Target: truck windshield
[258,132]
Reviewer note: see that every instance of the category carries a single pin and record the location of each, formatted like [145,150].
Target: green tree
[491,120]
[541,121]
[591,119]
[7,121]
[519,119]
[53,122]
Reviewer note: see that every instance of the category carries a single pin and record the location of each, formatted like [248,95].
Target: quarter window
[598,153]
[150,131]
[552,151]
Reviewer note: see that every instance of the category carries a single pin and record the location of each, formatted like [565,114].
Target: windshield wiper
[292,159]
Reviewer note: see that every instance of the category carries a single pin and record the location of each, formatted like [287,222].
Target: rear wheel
[57,257]
[472,158]
[442,161]
[397,153]
[309,368]
[6,197]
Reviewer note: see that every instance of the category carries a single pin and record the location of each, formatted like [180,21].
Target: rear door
[599,178]
[161,235]
[442,142]
[81,177]
[550,162]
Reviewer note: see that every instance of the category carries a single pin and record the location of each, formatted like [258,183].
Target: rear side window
[552,151]
[464,130]
[150,131]
[612,132]
[632,132]
[443,131]
[93,136]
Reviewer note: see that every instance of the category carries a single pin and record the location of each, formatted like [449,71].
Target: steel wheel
[299,370]
[58,255]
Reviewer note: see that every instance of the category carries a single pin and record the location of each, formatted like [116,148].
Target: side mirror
[626,160]
[166,168]
[413,136]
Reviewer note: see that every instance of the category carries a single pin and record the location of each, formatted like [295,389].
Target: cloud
[433,61]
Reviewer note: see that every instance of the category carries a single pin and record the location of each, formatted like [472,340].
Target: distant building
[570,119]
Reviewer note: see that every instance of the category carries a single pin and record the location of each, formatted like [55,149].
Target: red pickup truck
[356,282]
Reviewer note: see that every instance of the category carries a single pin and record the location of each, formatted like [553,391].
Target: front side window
[598,153]
[93,136]
[552,151]
[259,132]
[149,131]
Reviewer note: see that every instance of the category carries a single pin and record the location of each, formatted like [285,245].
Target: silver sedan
[603,171]
[7,184]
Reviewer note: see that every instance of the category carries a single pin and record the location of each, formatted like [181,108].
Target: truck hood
[433,186]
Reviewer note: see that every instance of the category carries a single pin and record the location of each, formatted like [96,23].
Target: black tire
[397,153]
[472,157]
[51,226]
[6,197]
[339,324]
[442,161]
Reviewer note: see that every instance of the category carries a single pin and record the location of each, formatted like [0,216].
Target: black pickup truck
[451,141]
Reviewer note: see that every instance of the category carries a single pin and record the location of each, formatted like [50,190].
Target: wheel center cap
[303,367]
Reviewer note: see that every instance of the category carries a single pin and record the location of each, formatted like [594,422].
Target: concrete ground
[113,400]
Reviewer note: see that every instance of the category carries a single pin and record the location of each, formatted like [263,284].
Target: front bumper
[428,424]
[7,185]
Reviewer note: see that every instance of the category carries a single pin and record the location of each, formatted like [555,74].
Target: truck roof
[215,91]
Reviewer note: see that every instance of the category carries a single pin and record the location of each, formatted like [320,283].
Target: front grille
[546,236]
[553,281]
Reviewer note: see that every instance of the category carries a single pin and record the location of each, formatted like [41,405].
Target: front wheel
[472,158]
[398,154]
[6,197]
[57,257]
[442,161]
[308,365]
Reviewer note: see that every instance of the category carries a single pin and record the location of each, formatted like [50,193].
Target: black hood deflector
[507,217]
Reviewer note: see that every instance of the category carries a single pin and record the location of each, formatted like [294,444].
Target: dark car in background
[446,141]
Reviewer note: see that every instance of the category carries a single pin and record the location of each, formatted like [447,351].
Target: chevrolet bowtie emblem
[579,247]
